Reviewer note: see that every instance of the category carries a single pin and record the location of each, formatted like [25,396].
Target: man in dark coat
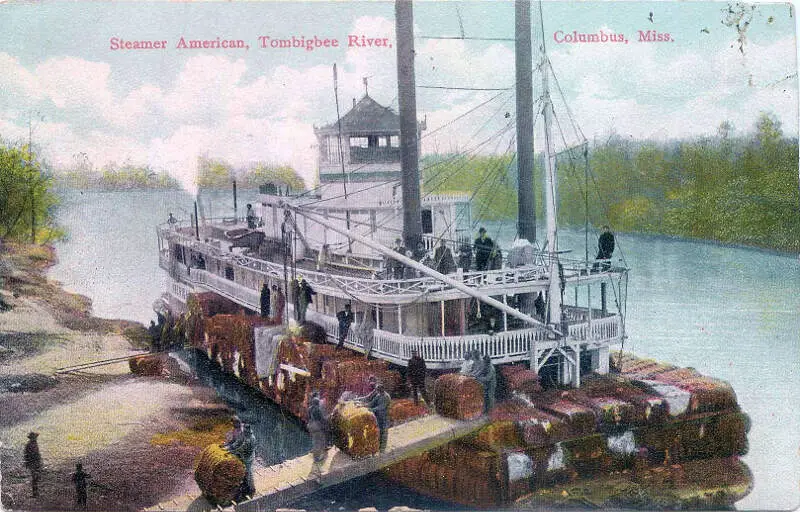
[33,461]
[487,376]
[294,295]
[465,257]
[251,217]
[483,249]
[243,445]
[280,302]
[80,480]
[416,377]
[605,248]
[395,268]
[345,318]
[265,301]
[443,258]
[306,294]
[318,428]
[379,405]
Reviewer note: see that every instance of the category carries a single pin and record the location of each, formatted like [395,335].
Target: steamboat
[406,262]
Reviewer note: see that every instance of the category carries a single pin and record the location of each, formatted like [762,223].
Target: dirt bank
[136,436]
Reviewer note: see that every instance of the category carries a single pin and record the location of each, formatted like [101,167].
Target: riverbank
[136,436]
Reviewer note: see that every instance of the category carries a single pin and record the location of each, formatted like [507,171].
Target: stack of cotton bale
[456,472]
[199,307]
[458,396]
[231,339]
[580,419]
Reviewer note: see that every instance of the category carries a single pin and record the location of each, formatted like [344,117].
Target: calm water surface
[731,313]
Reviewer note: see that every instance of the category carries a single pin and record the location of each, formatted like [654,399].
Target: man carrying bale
[318,428]
[242,445]
[379,405]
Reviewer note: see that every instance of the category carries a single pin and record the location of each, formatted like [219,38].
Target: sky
[165,107]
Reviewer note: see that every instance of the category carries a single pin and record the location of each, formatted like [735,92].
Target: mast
[407,103]
[526,218]
[550,191]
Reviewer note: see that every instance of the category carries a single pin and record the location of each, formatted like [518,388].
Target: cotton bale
[458,396]
[355,429]
[219,474]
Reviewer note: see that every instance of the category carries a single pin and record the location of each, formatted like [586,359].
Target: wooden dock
[278,485]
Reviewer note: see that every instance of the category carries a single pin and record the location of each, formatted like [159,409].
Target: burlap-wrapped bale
[458,396]
[588,455]
[152,366]
[519,379]
[496,436]
[355,430]
[402,410]
[580,419]
[218,474]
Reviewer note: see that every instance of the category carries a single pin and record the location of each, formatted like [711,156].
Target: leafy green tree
[261,173]
[26,200]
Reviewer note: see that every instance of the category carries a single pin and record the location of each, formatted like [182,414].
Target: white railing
[441,352]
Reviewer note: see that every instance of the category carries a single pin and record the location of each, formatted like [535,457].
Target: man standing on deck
[483,249]
[397,268]
[443,259]
[33,461]
[605,248]
[306,293]
[345,319]
[280,302]
[251,217]
[379,405]
[487,376]
[294,293]
[265,300]
[416,377]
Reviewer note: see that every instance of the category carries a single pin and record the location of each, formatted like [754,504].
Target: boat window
[359,142]
[382,142]
[395,140]
[229,273]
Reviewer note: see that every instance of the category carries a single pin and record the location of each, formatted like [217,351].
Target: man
[465,257]
[483,249]
[345,319]
[318,428]
[265,300]
[79,479]
[397,268]
[539,307]
[443,258]
[251,217]
[373,385]
[605,248]
[242,445]
[33,461]
[306,294]
[294,293]
[280,302]
[323,257]
[487,376]
[172,220]
[416,377]
[379,405]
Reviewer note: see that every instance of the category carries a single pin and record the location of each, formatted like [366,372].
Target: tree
[26,200]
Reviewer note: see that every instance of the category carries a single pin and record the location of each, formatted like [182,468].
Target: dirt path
[136,436]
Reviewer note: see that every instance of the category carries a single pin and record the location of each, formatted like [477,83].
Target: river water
[729,312]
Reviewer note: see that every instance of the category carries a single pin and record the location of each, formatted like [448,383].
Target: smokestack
[354,103]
